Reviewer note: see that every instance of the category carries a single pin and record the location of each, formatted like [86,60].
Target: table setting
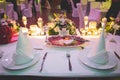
[61,55]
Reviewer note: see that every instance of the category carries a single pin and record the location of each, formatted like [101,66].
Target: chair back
[88,7]
[80,15]
[74,10]
[37,6]
[9,11]
[95,15]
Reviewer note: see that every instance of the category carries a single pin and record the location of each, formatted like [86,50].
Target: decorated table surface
[56,63]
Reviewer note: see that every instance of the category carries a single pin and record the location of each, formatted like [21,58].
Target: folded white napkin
[24,50]
[98,54]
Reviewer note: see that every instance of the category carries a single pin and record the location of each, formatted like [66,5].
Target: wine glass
[24,20]
[46,33]
[116,27]
[86,21]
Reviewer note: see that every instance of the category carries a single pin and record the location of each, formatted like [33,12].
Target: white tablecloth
[56,63]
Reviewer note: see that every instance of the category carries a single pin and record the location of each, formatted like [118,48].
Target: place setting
[23,57]
[97,57]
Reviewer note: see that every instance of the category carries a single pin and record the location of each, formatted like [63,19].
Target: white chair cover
[15,16]
[27,12]
[9,11]
[74,10]
[80,15]
[47,5]
[87,9]
[95,15]
[2,13]
[38,6]
[22,6]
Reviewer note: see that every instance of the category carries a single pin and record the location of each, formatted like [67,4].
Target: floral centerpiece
[61,25]
[8,28]
[113,26]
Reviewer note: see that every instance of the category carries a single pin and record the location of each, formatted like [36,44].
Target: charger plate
[8,63]
[86,61]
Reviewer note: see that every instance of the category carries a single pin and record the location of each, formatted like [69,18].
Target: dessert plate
[8,63]
[112,62]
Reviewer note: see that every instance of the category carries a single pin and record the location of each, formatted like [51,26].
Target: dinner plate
[112,62]
[66,41]
[8,63]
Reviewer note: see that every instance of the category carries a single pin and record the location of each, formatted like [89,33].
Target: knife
[38,48]
[44,57]
[117,55]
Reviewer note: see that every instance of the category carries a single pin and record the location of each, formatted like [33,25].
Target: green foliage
[108,28]
[111,29]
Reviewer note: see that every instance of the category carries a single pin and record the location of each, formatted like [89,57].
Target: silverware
[69,62]
[117,55]
[38,48]
[1,54]
[44,57]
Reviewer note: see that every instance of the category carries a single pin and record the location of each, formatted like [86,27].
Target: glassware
[24,20]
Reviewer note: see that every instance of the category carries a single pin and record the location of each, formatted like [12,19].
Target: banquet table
[56,63]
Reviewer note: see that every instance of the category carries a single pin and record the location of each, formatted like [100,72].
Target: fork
[69,62]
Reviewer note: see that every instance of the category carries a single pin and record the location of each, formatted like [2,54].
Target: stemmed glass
[40,24]
[46,33]
[86,21]
[24,20]
[116,27]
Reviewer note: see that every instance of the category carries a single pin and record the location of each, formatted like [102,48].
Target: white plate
[8,63]
[110,65]
[67,42]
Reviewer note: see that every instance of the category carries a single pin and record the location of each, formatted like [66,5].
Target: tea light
[34,30]
[92,24]
[24,30]
[96,33]
[89,33]
[83,32]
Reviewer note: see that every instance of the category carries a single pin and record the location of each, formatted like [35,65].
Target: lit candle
[92,24]
[89,33]
[40,22]
[83,32]
[24,30]
[24,20]
[96,32]
[104,20]
[86,20]
[34,30]
[99,30]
